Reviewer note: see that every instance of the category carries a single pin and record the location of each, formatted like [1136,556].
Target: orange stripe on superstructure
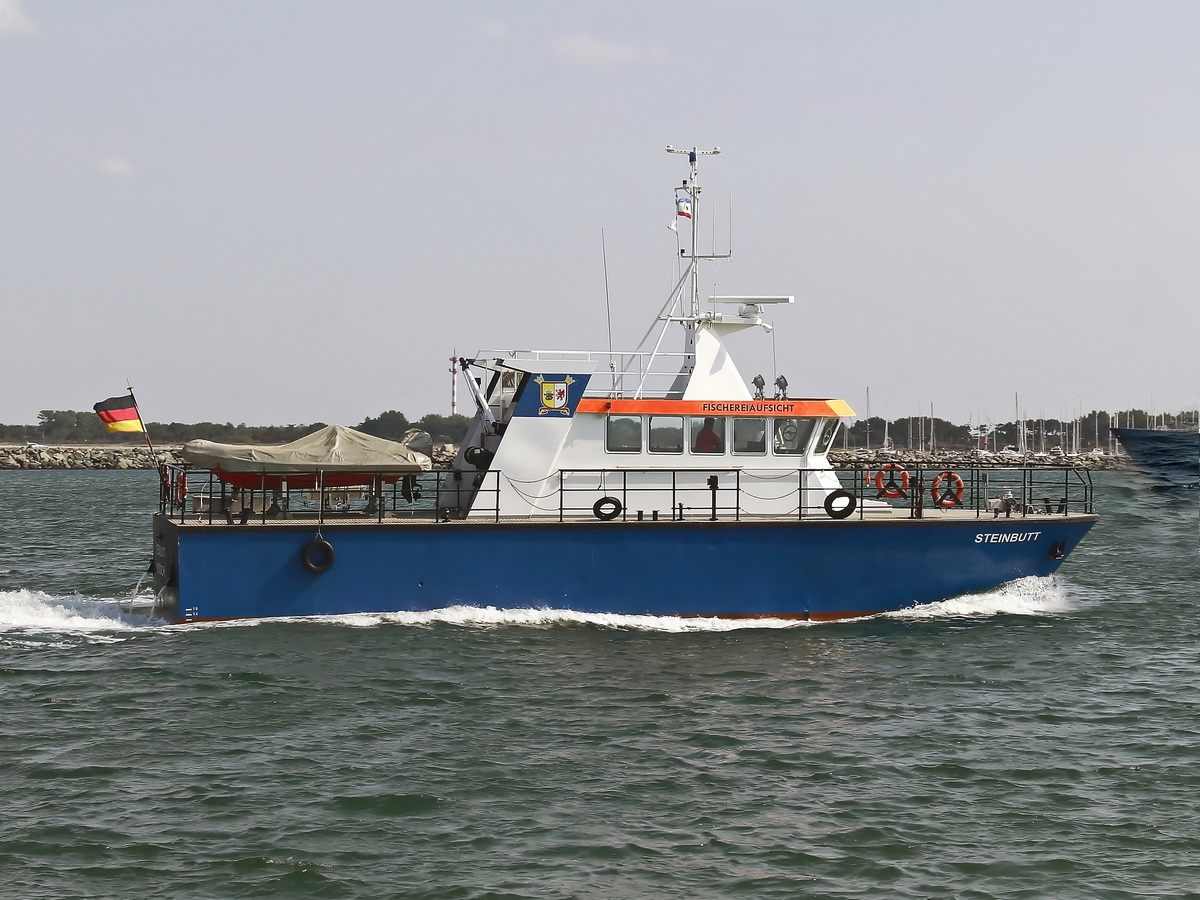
[826,408]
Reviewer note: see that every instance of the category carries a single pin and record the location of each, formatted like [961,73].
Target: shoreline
[120,456]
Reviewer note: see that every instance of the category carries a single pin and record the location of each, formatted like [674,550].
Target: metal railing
[617,373]
[670,495]
[203,497]
[986,491]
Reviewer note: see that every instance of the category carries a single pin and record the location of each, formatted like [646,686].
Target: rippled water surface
[1041,740]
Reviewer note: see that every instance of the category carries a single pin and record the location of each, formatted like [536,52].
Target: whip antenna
[608,308]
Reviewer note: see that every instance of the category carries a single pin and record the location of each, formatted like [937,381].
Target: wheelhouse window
[825,441]
[623,434]
[749,435]
[707,434]
[791,435]
[666,434]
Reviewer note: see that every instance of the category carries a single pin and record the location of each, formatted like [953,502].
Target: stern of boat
[166,568]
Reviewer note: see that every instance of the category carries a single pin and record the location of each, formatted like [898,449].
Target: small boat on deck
[658,481]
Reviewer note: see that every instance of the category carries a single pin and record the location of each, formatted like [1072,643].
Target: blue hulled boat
[653,482]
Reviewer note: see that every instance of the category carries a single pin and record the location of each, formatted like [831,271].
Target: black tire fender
[606,508]
[844,512]
[318,555]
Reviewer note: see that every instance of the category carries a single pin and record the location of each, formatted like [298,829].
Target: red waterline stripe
[791,617]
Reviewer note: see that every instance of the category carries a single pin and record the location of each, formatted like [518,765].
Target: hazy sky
[283,212]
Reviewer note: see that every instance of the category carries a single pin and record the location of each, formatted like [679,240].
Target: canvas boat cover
[334,448]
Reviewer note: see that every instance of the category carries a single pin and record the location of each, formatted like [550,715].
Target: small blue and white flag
[683,207]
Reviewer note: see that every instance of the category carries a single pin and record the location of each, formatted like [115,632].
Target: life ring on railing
[890,488]
[954,494]
[317,555]
[840,512]
[606,508]
[179,496]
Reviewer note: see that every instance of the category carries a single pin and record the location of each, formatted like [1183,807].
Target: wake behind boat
[652,482]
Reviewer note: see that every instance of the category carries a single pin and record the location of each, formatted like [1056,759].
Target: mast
[146,434]
[1020,424]
[690,192]
[868,419]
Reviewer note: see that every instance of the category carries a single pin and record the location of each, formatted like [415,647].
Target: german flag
[119,414]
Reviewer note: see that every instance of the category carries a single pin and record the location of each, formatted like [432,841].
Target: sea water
[1039,740]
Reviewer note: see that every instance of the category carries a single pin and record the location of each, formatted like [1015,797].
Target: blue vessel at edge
[1167,457]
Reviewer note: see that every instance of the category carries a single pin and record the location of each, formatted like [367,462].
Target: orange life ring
[952,497]
[892,490]
[180,489]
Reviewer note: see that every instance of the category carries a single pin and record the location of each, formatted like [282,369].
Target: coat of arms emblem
[554,395]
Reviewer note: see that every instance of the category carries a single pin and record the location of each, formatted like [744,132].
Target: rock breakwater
[44,456]
[849,459]
[121,457]
[74,457]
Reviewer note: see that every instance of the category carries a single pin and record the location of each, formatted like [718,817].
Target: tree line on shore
[65,426]
[914,432]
